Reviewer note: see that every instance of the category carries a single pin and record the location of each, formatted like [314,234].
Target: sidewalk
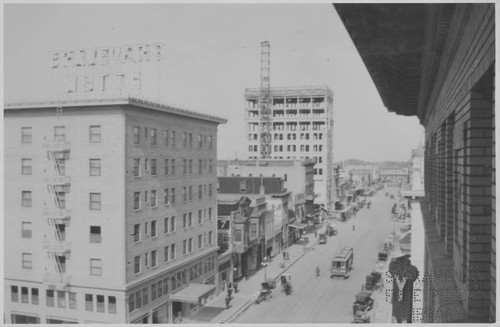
[249,289]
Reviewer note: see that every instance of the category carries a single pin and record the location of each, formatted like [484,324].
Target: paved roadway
[323,299]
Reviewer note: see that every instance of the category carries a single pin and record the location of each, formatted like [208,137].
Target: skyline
[212,53]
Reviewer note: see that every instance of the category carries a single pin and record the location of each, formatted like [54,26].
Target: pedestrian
[228,301]
[235,287]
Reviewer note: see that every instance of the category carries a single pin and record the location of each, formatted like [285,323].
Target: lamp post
[265,264]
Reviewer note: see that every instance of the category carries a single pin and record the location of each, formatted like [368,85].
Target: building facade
[302,128]
[443,67]
[117,207]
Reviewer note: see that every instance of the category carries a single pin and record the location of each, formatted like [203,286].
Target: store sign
[105,71]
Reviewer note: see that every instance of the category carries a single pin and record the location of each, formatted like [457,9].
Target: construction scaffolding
[265,101]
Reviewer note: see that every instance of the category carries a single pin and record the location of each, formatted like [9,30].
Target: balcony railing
[56,246]
[57,180]
[57,213]
[57,146]
[58,281]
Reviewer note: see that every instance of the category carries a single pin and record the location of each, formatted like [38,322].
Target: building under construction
[300,126]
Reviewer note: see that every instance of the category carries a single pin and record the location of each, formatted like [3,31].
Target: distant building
[302,128]
[111,213]
[399,175]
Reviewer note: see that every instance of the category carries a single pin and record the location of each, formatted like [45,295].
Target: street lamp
[265,264]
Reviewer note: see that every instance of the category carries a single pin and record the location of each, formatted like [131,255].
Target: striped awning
[192,293]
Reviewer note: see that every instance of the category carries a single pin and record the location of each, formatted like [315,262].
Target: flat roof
[265,162]
[309,90]
[134,101]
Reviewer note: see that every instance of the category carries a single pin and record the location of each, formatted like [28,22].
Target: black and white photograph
[249,162]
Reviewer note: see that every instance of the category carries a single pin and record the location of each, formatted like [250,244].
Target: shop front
[190,299]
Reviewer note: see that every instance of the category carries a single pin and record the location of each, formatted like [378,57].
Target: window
[61,199]
[172,251]
[146,228]
[26,135]
[137,200]
[89,302]
[72,300]
[184,166]
[184,220]
[165,161]
[137,135]
[243,186]
[184,247]
[253,230]
[137,232]
[165,286]
[49,298]
[166,137]
[321,171]
[190,140]
[190,166]
[138,299]
[153,167]
[190,245]
[153,136]
[146,260]
[146,165]
[95,201]
[200,241]
[190,193]
[26,199]
[111,304]
[95,234]
[95,167]
[184,194]
[173,137]
[153,258]
[209,213]
[200,166]
[137,264]
[24,295]
[26,229]
[137,167]
[61,263]
[209,189]
[145,295]
[184,139]
[210,142]
[210,165]
[172,166]
[200,143]
[165,225]
[165,197]
[145,132]
[34,296]
[61,299]
[200,191]
[95,267]
[131,302]
[153,292]
[153,198]
[190,220]
[172,224]
[26,166]
[95,134]
[59,134]
[153,228]
[210,239]
[160,288]
[200,217]
[27,261]
[165,253]
[100,303]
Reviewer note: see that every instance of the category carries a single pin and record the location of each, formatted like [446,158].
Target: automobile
[363,302]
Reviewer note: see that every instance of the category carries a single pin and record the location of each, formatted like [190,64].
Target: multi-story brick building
[302,128]
[442,69]
[111,211]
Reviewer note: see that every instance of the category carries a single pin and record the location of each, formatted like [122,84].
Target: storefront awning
[298,225]
[192,293]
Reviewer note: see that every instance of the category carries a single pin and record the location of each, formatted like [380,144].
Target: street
[323,299]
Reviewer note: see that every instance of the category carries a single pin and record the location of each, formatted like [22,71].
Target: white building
[302,128]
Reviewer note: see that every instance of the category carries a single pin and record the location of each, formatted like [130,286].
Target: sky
[212,52]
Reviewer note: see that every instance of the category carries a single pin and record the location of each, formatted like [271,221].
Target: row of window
[94,264]
[63,299]
[160,288]
[169,138]
[150,166]
[60,134]
[169,196]
[94,200]
[94,167]
[290,148]
[169,252]
[95,232]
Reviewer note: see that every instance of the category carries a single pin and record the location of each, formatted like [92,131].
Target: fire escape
[56,214]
